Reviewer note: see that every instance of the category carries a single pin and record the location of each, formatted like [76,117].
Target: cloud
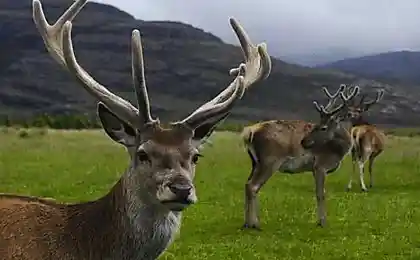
[297,27]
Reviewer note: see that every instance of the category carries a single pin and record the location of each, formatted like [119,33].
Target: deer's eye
[195,158]
[143,156]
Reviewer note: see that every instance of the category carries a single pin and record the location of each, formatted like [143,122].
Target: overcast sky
[292,27]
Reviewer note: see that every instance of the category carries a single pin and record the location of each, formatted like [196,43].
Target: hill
[322,56]
[185,66]
[401,66]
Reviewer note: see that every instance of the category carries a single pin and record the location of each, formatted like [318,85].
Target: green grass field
[381,224]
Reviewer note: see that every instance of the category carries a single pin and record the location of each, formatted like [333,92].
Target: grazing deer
[140,215]
[295,146]
[368,140]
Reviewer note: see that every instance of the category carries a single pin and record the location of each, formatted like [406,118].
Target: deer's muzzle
[181,191]
[181,194]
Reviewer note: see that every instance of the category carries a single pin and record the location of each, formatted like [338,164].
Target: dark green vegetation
[396,67]
[184,65]
[381,224]
[84,121]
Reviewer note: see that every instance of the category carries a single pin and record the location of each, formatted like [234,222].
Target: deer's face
[164,166]
[322,133]
[354,113]
[163,161]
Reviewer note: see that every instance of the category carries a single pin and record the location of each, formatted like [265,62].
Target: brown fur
[276,146]
[296,146]
[11,200]
[34,228]
[278,137]
[170,136]
[368,143]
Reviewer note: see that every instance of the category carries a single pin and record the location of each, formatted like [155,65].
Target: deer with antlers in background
[295,146]
[140,215]
[368,140]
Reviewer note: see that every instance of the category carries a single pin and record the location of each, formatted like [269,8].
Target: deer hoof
[321,223]
[251,226]
[348,189]
[364,190]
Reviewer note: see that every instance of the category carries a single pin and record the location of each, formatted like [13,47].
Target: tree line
[77,121]
[65,121]
[86,121]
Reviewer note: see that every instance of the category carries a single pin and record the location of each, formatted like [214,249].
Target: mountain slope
[322,56]
[185,66]
[401,66]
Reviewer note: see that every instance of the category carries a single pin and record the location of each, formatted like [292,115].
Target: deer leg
[370,168]
[250,201]
[258,178]
[319,176]
[353,170]
[362,174]
[253,164]
[370,165]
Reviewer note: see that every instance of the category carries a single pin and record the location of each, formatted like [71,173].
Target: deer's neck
[346,125]
[341,144]
[121,226]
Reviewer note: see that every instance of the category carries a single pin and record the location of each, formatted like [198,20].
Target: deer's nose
[181,190]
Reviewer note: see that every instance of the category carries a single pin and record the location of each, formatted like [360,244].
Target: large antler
[257,67]
[57,39]
[366,105]
[333,97]
[345,98]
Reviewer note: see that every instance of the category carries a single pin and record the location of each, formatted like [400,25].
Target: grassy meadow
[381,224]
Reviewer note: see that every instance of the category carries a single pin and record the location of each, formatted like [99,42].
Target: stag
[296,146]
[368,140]
[139,217]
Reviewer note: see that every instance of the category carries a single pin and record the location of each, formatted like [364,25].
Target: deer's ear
[205,130]
[115,128]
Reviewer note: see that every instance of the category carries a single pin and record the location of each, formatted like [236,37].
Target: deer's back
[32,228]
[368,136]
[38,229]
[277,137]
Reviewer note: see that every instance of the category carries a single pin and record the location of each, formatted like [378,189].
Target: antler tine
[204,113]
[139,80]
[349,90]
[257,67]
[362,99]
[346,100]
[51,34]
[319,108]
[379,96]
[356,91]
[333,97]
[57,39]
[257,60]
[257,64]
